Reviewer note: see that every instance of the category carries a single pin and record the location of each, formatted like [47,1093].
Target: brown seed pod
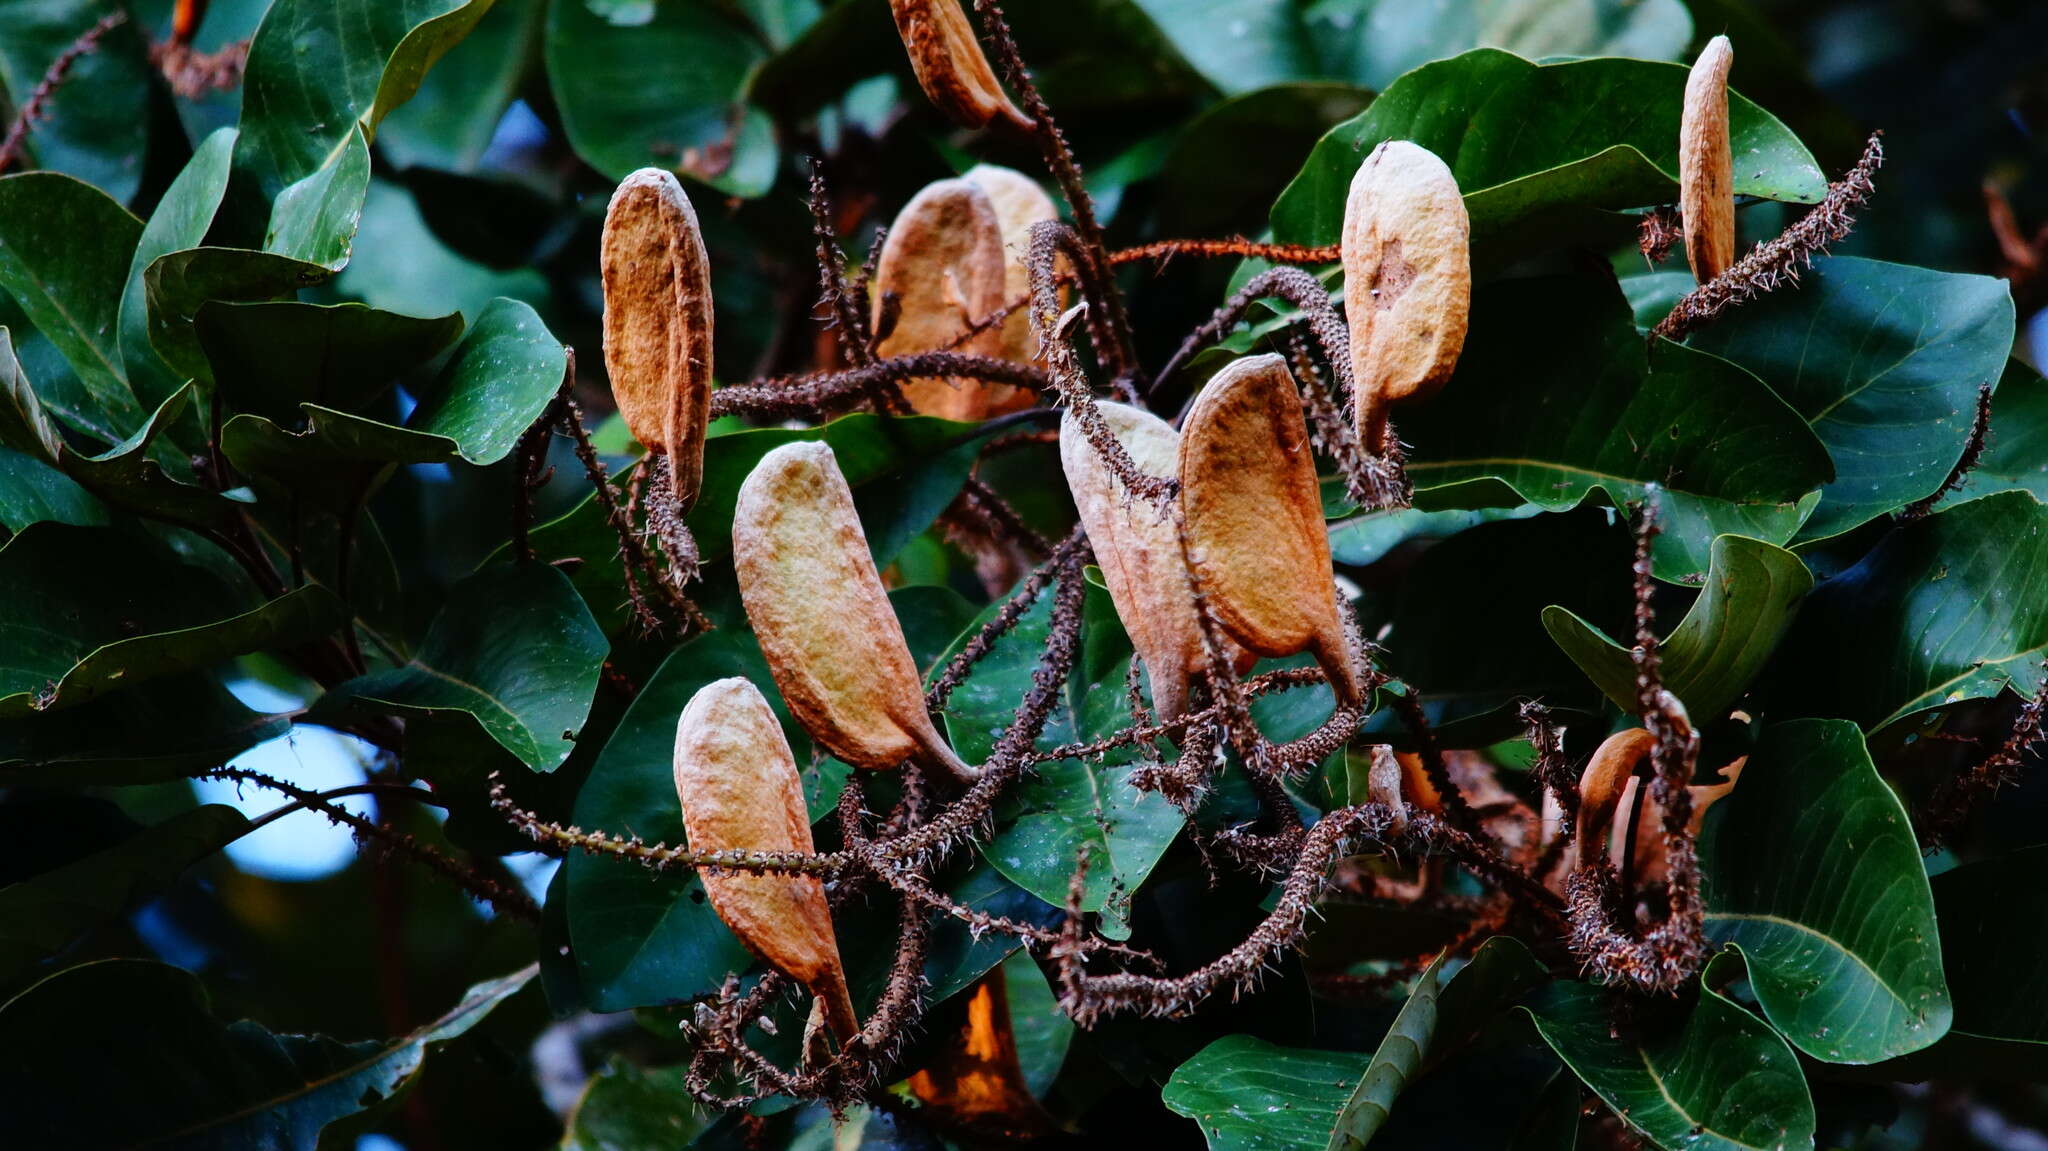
[739,789]
[1407,281]
[950,65]
[1706,164]
[658,321]
[1020,203]
[818,607]
[1602,783]
[1254,515]
[1138,549]
[943,263]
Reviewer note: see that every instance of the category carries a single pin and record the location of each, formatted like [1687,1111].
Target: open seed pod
[738,786]
[1020,203]
[950,65]
[1602,784]
[1706,164]
[1137,546]
[657,321]
[1407,281]
[943,263]
[1254,517]
[818,607]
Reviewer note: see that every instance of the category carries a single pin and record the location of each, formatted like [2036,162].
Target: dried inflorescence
[817,605]
[739,790]
[1706,164]
[950,65]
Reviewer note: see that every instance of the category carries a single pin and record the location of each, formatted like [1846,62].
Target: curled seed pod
[943,264]
[832,641]
[1019,203]
[1254,515]
[1603,782]
[1407,256]
[1137,546]
[739,789]
[950,65]
[1706,164]
[658,321]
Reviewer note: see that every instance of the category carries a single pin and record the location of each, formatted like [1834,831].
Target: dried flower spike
[832,641]
[1019,203]
[1706,164]
[1407,281]
[1254,514]
[1138,546]
[950,65]
[943,264]
[738,785]
[658,321]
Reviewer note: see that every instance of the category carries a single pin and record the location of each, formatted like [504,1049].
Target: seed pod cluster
[1254,513]
[658,321]
[1138,547]
[738,786]
[950,65]
[818,607]
[1406,249]
[942,268]
[1706,164]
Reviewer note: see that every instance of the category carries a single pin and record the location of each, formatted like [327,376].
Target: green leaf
[1812,872]
[1374,41]
[143,1033]
[315,217]
[628,1108]
[95,125]
[162,729]
[64,250]
[180,220]
[1525,138]
[269,358]
[1946,608]
[1042,1031]
[1556,397]
[42,915]
[1367,539]
[1994,915]
[1250,1095]
[1884,360]
[667,93]
[501,378]
[1719,1080]
[449,122]
[95,609]
[1225,167]
[1267,42]
[337,462]
[1395,1061]
[179,283]
[1726,637]
[2017,456]
[32,491]
[318,69]
[401,265]
[514,649]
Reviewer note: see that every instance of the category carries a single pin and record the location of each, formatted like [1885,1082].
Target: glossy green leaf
[1374,41]
[1885,361]
[94,126]
[162,729]
[1041,1030]
[1556,397]
[501,378]
[1395,1061]
[1994,916]
[514,649]
[1751,592]
[143,1033]
[177,284]
[667,93]
[180,221]
[1267,43]
[268,358]
[1950,607]
[2017,454]
[32,491]
[95,609]
[627,1108]
[1812,872]
[1367,539]
[315,217]
[42,915]
[1525,138]
[64,250]
[1717,1080]
[449,122]
[1225,167]
[337,461]
[1250,1095]
[401,265]
[319,68]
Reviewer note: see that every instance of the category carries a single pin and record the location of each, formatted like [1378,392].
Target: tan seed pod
[950,65]
[1254,517]
[1407,257]
[1706,164]
[818,608]
[1020,204]
[943,264]
[658,320]
[1603,782]
[1138,549]
[738,785]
